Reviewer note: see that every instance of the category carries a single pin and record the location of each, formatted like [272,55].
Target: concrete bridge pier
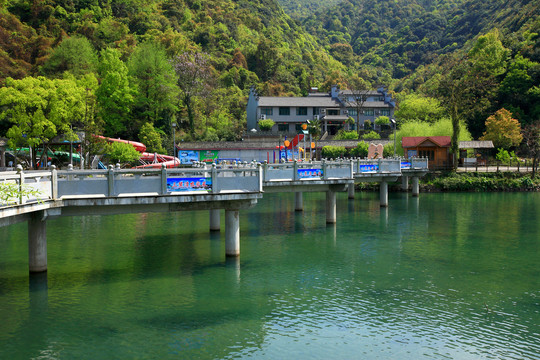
[298,201]
[384,193]
[330,207]
[37,242]
[215,220]
[415,186]
[404,183]
[232,232]
[350,189]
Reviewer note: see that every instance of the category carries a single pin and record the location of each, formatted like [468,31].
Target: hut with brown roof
[435,148]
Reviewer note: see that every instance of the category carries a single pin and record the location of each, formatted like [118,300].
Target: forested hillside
[131,68]
[152,62]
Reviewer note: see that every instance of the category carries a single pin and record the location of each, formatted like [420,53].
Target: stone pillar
[415,186]
[330,207]
[384,193]
[37,242]
[215,220]
[404,183]
[350,190]
[298,201]
[232,232]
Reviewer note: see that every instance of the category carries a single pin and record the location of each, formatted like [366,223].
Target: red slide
[156,160]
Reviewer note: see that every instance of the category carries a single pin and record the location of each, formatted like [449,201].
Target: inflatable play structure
[148,160]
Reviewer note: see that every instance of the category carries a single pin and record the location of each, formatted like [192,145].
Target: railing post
[323,166]
[54,182]
[163,176]
[21,182]
[214,179]
[265,170]
[260,174]
[110,181]
[295,170]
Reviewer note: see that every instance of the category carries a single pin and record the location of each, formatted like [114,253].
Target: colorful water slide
[149,160]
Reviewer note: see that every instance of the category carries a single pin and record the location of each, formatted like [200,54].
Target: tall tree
[115,94]
[157,91]
[74,54]
[503,130]
[40,109]
[194,80]
[358,90]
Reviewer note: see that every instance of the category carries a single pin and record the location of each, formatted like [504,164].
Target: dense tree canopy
[133,63]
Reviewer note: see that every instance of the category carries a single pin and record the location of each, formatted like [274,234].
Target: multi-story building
[332,109]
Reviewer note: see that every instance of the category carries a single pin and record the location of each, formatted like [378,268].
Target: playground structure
[148,160]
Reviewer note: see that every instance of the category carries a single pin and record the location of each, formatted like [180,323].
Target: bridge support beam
[330,207]
[415,186]
[350,190]
[232,232]
[215,220]
[298,201]
[384,193]
[404,183]
[37,242]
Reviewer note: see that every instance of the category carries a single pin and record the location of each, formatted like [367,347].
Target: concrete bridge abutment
[37,242]
[215,220]
[384,193]
[232,233]
[415,186]
[298,201]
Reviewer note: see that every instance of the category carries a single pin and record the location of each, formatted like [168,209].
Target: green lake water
[443,276]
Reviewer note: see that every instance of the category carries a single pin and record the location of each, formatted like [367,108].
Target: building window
[301,111]
[267,111]
[332,112]
[430,154]
[353,112]
[315,111]
[368,112]
[284,111]
[385,112]
[283,127]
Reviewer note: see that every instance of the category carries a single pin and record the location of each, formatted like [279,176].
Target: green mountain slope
[402,35]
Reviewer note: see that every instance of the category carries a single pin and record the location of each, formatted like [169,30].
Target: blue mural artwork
[405,164]
[189,184]
[369,168]
[310,173]
[188,156]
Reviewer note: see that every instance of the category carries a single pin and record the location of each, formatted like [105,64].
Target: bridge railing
[377,166]
[419,163]
[176,181]
[298,171]
[20,187]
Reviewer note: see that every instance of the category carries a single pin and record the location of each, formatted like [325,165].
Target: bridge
[203,187]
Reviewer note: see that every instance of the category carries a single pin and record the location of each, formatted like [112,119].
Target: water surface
[445,276]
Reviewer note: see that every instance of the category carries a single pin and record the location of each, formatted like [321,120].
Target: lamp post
[393,121]
[173,142]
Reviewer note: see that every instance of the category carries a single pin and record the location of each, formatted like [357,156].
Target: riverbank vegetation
[467,182]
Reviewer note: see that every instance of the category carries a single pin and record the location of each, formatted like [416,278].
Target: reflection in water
[440,276]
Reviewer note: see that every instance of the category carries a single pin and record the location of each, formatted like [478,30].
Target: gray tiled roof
[307,101]
[367,92]
[476,144]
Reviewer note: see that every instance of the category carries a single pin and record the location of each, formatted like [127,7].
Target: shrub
[382,120]
[388,150]
[361,150]
[346,135]
[333,152]
[367,125]
[266,124]
[122,153]
[371,135]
